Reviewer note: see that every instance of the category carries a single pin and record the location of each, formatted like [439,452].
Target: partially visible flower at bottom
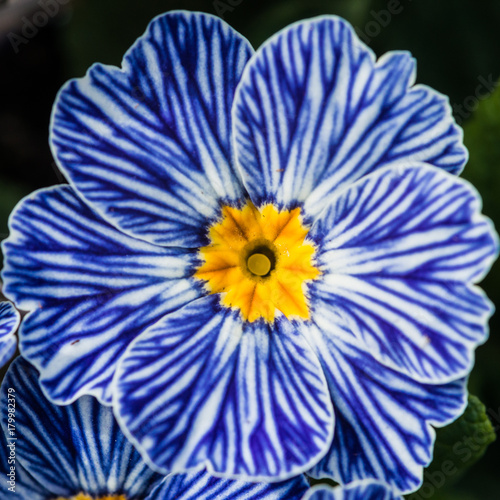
[63,452]
[9,321]
[78,452]
[359,490]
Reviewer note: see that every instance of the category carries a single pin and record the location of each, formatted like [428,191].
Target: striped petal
[359,490]
[75,448]
[246,400]
[383,417]
[149,145]
[89,288]
[9,321]
[314,112]
[16,483]
[202,486]
[399,251]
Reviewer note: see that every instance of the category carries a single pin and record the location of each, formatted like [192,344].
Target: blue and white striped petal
[202,486]
[90,290]
[16,483]
[359,490]
[399,252]
[74,448]
[202,388]
[9,321]
[149,145]
[383,417]
[315,111]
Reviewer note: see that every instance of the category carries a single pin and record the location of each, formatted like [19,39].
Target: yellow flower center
[83,496]
[258,261]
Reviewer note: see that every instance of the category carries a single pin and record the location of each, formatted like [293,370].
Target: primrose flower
[9,321]
[264,260]
[77,452]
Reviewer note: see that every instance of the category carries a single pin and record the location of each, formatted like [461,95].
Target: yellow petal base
[258,261]
[83,496]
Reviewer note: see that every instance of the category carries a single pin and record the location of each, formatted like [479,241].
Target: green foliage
[482,135]
[482,138]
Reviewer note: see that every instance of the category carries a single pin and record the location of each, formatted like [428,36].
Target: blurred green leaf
[482,138]
[457,447]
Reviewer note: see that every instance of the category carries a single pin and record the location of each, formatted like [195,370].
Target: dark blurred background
[456,44]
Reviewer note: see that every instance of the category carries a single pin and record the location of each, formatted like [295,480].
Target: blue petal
[9,321]
[246,400]
[383,418]
[315,112]
[7,349]
[399,251]
[149,145]
[202,486]
[90,289]
[74,448]
[19,485]
[359,490]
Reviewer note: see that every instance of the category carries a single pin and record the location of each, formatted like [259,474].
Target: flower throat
[259,261]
